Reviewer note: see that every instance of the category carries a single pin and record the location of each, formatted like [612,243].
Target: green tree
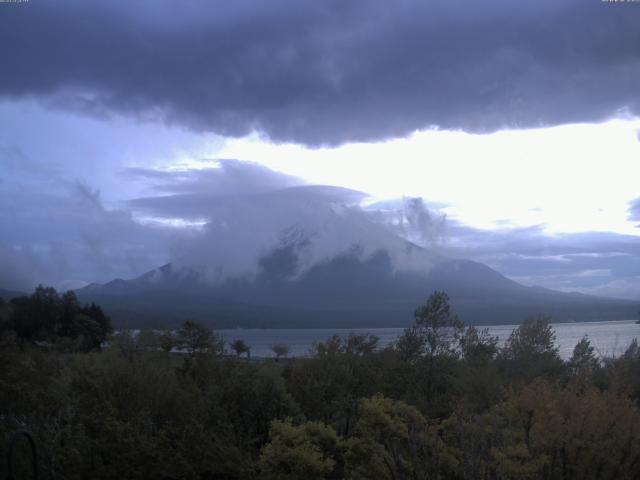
[431,345]
[58,320]
[245,396]
[478,346]
[308,451]
[195,337]
[410,345]
[530,351]
[621,374]
[439,328]
[361,344]
[167,340]
[330,384]
[584,360]
[36,317]
[88,332]
[70,307]
[104,322]
[87,326]
[579,433]
[477,380]
[240,347]
[147,340]
[5,315]
[393,440]
[491,446]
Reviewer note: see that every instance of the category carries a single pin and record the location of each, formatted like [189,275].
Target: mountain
[350,290]
[9,294]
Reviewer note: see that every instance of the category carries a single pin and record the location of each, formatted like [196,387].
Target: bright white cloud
[571,178]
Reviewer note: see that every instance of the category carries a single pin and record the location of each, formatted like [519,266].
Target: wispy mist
[251,211]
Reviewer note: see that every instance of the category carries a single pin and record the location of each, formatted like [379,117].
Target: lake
[609,338]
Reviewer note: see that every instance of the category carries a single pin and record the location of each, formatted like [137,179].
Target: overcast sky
[138,133]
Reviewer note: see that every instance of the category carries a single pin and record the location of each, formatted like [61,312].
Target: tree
[329,348]
[361,345]
[197,338]
[533,338]
[4,315]
[432,346]
[392,440]
[491,446]
[530,350]
[167,340]
[88,325]
[621,374]
[478,380]
[45,315]
[280,349]
[410,344]
[70,307]
[339,373]
[36,317]
[306,451]
[147,340]
[439,328]
[478,346]
[580,433]
[104,322]
[583,360]
[88,332]
[241,347]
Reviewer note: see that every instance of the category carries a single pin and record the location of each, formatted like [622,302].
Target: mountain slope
[346,291]
[9,294]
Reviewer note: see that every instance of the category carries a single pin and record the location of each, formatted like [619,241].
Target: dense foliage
[55,321]
[445,401]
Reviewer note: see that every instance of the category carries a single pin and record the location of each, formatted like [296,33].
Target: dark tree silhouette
[241,347]
[195,337]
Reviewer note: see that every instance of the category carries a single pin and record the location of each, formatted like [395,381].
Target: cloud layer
[248,211]
[327,72]
[599,263]
[223,220]
[634,211]
[219,221]
[56,230]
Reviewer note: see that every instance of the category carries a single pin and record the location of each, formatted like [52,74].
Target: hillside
[346,291]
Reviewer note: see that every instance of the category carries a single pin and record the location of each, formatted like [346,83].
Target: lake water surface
[609,338]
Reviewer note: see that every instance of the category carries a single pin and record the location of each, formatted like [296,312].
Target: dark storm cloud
[330,71]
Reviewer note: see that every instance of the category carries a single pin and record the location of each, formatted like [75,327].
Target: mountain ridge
[9,294]
[347,291]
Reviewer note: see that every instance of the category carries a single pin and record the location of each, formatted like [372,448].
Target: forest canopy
[444,401]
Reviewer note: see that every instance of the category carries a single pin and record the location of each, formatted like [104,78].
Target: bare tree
[240,347]
[280,349]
